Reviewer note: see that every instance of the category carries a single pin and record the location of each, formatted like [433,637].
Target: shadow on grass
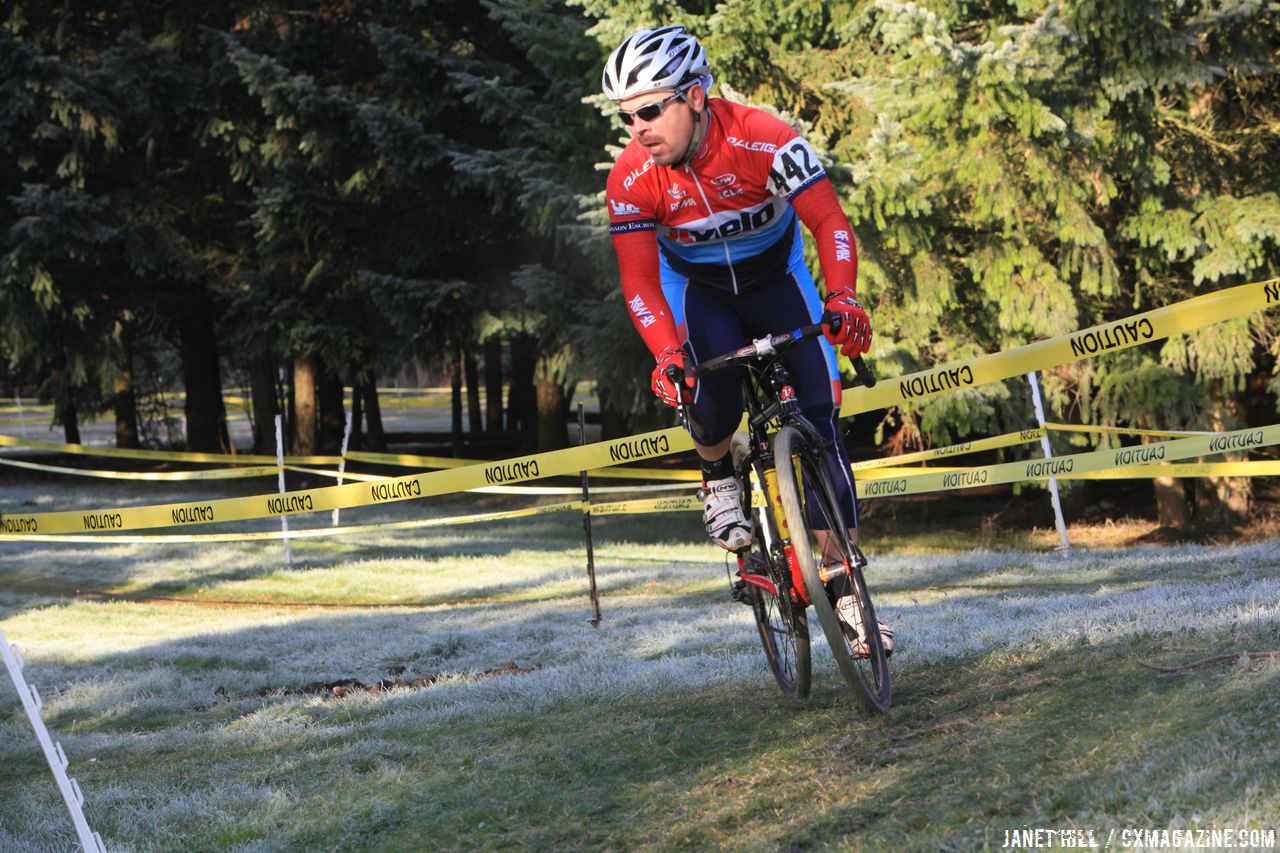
[1078,736]
[101,571]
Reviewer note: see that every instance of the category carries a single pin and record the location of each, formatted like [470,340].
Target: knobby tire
[782,624]
[800,459]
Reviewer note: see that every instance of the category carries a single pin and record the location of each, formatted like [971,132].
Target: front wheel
[801,461]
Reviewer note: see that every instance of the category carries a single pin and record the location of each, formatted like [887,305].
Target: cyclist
[705,205]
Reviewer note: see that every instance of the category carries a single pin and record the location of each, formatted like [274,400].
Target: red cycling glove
[853,337]
[662,384]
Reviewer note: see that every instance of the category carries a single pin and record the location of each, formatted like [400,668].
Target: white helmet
[654,60]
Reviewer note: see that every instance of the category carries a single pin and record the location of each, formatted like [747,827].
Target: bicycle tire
[782,623]
[800,460]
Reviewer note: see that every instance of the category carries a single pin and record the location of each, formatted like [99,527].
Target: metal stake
[342,465]
[1048,454]
[284,519]
[594,621]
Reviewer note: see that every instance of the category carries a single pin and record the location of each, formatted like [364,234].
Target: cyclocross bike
[802,555]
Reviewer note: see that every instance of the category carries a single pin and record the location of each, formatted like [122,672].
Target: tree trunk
[202,376]
[493,384]
[305,405]
[553,428]
[470,372]
[455,382]
[265,400]
[1224,500]
[522,401]
[1172,508]
[289,427]
[125,400]
[373,415]
[71,423]
[333,416]
[357,415]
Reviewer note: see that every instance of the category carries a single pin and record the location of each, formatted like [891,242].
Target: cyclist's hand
[852,335]
[662,384]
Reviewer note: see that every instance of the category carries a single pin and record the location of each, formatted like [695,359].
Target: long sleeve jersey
[724,220]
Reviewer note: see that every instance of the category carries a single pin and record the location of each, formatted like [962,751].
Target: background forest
[302,196]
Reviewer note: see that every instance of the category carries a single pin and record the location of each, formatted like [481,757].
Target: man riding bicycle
[705,206]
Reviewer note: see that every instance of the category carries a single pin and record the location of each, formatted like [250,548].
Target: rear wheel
[801,461]
[782,623]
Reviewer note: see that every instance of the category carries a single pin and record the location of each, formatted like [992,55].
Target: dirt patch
[344,687]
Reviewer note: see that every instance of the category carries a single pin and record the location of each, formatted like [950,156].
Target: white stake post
[1048,454]
[342,463]
[53,753]
[22,424]
[284,519]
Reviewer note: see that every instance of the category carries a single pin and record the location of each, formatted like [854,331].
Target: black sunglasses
[648,112]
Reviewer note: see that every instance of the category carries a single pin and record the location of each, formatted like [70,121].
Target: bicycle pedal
[739,593]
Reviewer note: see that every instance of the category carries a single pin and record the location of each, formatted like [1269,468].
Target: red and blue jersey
[727,219]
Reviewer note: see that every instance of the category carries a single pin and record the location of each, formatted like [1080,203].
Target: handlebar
[769,346]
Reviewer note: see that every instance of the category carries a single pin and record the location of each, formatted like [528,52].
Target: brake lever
[865,376]
[677,377]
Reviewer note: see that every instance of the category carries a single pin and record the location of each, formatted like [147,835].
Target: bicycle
[782,573]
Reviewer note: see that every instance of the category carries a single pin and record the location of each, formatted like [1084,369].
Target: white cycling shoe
[722,514]
[851,620]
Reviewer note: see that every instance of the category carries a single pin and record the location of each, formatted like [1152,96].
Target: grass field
[192,687]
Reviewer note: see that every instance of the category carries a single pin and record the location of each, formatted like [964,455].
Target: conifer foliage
[350,185]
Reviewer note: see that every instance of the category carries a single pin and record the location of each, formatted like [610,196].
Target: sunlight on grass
[1018,696]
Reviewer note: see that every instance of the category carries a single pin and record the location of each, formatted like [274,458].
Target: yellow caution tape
[1154,325]
[569,490]
[642,506]
[682,476]
[305,533]
[1260,468]
[409,460]
[647,505]
[336,475]
[1076,464]
[1155,433]
[164,455]
[1025,436]
[513,490]
[212,474]
[508,471]
[1188,315]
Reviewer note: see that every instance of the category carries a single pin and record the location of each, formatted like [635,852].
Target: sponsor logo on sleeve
[635,175]
[626,227]
[844,246]
[643,315]
[623,208]
[762,147]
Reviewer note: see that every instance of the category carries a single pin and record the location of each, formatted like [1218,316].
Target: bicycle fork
[774,497]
